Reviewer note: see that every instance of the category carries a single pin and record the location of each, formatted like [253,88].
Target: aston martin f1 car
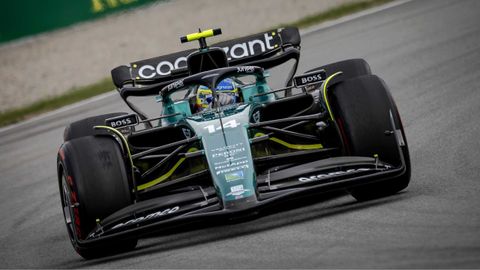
[226,144]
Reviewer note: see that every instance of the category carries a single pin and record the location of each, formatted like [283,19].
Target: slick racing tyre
[361,108]
[93,184]
[351,68]
[84,127]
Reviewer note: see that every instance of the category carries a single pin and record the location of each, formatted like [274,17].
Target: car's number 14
[230,124]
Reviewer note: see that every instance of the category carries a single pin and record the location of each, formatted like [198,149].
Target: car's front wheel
[361,107]
[93,184]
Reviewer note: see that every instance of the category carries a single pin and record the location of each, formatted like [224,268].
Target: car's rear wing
[266,49]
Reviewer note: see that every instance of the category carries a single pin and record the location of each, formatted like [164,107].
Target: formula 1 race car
[226,144]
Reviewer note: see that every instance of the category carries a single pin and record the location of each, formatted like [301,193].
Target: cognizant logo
[163,68]
[252,47]
[236,51]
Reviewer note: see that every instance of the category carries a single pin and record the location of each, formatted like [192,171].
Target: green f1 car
[226,143]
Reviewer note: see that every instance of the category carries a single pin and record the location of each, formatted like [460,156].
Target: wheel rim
[67,208]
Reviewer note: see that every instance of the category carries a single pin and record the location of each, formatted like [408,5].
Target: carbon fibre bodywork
[228,163]
[233,160]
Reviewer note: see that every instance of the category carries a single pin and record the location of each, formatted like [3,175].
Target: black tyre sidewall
[96,173]
[361,109]
[84,127]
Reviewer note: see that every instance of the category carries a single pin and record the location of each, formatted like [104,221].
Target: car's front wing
[197,203]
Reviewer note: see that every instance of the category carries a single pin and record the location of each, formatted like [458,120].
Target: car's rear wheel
[84,127]
[93,184]
[361,108]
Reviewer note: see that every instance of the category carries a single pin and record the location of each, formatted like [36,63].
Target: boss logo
[122,121]
[312,77]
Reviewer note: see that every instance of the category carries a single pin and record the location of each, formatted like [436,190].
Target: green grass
[48,104]
[105,85]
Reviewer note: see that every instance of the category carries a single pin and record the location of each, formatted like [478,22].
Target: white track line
[302,32]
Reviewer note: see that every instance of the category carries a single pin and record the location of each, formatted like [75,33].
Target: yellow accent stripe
[203,34]
[167,175]
[293,146]
[325,92]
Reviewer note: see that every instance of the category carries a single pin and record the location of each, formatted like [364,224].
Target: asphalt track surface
[428,52]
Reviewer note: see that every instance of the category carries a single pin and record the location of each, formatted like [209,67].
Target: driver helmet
[227,93]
